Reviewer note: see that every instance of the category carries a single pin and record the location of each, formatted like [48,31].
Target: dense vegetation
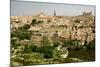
[24,50]
[31,54]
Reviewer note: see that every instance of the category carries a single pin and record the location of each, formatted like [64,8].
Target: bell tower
[54,13]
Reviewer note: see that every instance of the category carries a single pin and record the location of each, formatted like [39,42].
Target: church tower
[54,13]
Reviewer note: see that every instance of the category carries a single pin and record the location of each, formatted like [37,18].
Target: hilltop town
[75,27]
[43,39]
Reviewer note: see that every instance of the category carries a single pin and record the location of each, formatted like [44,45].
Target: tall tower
[54,13]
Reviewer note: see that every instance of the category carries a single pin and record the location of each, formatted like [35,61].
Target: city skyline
[29,8]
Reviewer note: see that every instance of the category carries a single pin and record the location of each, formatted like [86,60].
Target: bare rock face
[63,51]
[65,55]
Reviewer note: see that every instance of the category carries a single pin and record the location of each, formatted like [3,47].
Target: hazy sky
[32,8]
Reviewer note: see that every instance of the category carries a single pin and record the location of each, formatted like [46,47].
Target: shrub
[39,21]
[47,51]
[48,20]
[46,48]
[34,21]
[56,44]
[34,48]
[13,43]
[13,34]
[77,21]
[24,28]
[45,41]
[24,35]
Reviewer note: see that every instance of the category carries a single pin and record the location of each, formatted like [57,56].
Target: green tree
[45,41]
[24,35]
[34,21]
[46,48]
